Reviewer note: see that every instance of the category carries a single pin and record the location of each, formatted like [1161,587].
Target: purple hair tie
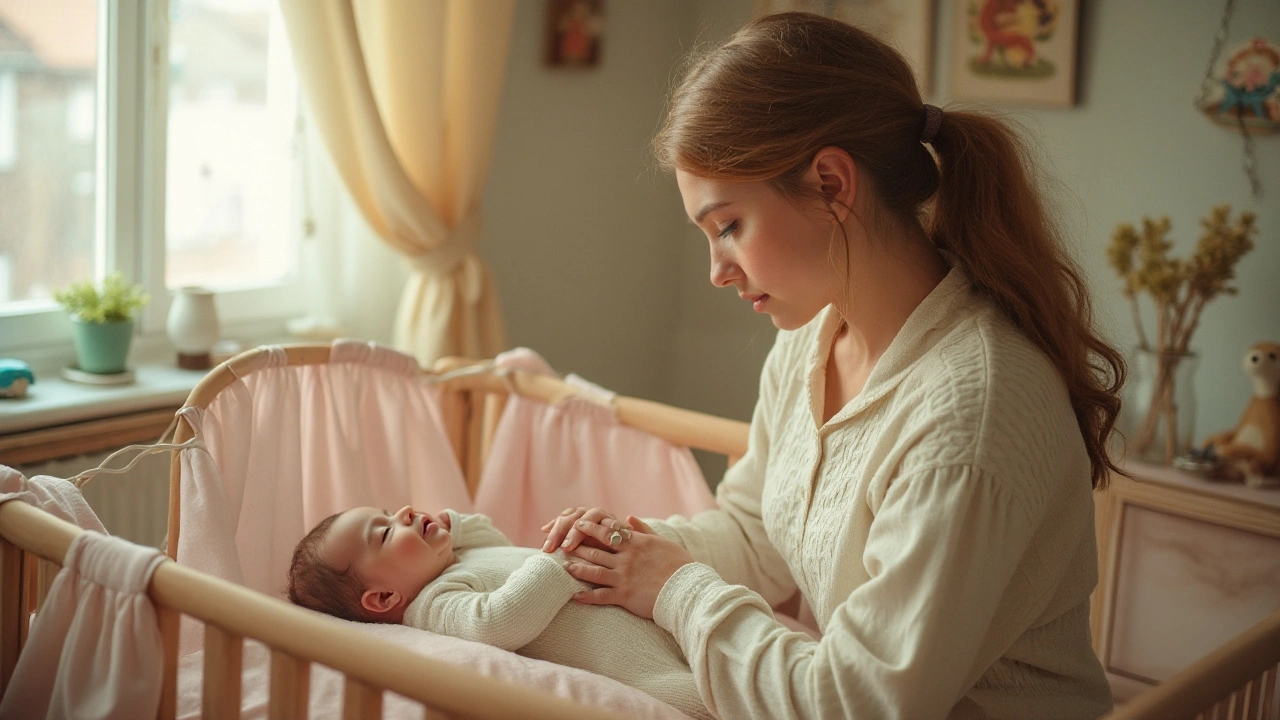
[932,121]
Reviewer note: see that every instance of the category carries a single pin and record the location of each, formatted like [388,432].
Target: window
[154,138]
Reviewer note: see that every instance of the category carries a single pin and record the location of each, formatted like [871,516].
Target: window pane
[48,99]
[232,105]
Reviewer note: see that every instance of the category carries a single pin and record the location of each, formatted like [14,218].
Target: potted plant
[1179,289]
[102,321]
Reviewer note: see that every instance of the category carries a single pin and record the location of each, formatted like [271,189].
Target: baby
[458,575]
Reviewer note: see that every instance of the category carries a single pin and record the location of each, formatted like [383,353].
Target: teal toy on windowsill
[15,378]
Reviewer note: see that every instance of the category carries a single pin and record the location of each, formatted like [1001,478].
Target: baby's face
[399,552]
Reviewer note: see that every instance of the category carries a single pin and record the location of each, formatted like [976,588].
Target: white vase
[192,326]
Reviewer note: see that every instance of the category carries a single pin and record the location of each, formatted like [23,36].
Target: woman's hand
[630,572]
[562,531]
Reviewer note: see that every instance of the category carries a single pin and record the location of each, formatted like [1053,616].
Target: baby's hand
[444,519]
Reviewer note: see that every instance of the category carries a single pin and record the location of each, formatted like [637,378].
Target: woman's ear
[835,173]
[380,601]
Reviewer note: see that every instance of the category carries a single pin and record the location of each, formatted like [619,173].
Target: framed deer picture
[1015,51]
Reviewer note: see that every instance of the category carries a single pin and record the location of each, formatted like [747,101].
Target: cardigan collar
[948,303]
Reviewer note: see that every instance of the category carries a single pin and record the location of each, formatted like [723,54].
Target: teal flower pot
[102,348]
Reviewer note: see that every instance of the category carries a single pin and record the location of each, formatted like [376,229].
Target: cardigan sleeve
[509,617]
[472,531]
[908,643]
[732,538]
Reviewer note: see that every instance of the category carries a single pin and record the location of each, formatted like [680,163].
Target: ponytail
[989,216]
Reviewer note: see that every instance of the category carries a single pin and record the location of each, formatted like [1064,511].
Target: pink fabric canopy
[576,453]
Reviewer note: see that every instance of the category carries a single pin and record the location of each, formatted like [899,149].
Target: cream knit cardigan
[940,525]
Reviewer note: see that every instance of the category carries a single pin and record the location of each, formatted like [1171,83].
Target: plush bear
[1252,449]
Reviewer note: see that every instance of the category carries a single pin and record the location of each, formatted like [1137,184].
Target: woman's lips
[757,302]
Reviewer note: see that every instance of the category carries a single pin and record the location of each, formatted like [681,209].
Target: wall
[598,269]
[1132,146]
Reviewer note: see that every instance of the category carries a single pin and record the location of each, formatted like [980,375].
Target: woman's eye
[729,229]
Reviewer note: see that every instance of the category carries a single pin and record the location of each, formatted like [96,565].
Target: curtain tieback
[456,252]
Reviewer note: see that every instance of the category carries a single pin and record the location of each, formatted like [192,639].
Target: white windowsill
[53,400]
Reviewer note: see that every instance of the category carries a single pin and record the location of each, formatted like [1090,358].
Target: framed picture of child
[575,29]
[1015,51]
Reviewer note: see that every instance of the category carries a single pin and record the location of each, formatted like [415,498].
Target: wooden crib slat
[1257,711]
[494,405]
[1265,709]
[1242,703]
[290,686]
[10,610]
[453,412]
[168,619]
[30,581]
[360,701]
[223,660]
[28,601]
[48,571]
[473,432]
[1237,703]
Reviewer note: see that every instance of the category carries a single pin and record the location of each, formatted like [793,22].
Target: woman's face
[778,258]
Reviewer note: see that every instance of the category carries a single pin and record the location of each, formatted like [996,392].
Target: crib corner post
[11,594]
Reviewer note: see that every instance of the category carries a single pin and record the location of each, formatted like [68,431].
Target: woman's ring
[615,539]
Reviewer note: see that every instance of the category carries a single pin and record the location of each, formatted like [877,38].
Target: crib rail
[1235,682]
[295,636]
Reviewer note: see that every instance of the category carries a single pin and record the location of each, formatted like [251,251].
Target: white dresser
[1185,564]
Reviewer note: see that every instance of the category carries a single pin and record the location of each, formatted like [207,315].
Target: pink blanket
[94,647]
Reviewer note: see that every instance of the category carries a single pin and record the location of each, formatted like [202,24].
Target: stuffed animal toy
[15,377]
[1252,449]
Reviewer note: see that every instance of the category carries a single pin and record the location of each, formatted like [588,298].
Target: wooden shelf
[78,438]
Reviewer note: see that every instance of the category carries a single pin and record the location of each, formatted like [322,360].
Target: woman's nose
[723,271]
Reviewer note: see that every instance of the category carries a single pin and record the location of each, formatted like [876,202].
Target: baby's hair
[317,585]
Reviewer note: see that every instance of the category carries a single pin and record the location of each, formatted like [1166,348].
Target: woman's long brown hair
[760,106]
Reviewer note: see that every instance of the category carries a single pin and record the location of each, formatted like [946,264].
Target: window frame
[132,129]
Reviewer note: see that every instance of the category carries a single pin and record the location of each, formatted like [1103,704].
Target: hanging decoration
[1244,92]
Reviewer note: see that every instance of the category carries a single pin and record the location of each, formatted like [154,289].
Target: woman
[931,421]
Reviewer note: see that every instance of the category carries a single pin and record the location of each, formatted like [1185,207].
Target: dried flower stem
[1179,289]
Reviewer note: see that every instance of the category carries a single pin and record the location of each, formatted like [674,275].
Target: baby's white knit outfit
[520,599]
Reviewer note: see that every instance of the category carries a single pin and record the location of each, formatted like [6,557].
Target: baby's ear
[380,601]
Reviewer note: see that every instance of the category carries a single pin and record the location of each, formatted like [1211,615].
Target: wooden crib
[1234,682]
[35,543]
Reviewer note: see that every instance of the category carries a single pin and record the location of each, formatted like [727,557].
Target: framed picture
[1245,90]
[907,25]
[574,33]
[1015,51]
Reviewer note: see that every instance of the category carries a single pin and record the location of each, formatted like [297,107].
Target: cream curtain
[405,94]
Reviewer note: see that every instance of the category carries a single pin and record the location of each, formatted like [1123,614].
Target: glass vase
[1160,406]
